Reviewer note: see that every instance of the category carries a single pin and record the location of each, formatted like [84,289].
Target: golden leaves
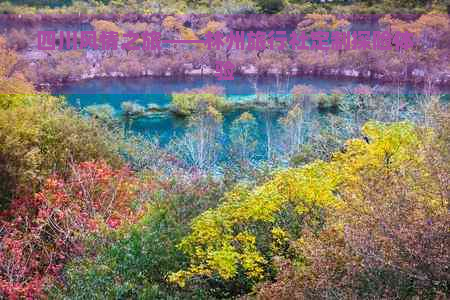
[224,238]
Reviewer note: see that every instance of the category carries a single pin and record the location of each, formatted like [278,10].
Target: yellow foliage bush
[12,82]
[225,239]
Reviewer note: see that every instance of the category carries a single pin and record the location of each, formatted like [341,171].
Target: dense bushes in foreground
[44,136]
[40,134]
[371,221]
[41,232]
[388,238]
[252,228]
[135,261]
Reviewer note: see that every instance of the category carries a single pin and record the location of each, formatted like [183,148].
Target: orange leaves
[102,25]
[171,23]
[212,26]
[94,188]
[437,22]
[11,79]
[322,22]
[2,42]
[44,230]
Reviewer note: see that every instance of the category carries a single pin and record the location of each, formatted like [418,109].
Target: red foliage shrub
[39,233]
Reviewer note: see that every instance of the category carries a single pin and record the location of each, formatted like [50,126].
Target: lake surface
[158,90]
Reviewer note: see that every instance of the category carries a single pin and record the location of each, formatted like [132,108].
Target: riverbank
[418,76]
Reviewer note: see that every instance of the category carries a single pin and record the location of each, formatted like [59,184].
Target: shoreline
[346,74]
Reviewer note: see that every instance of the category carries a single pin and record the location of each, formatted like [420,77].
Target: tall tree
[201,144]
[293,125]
[244,137]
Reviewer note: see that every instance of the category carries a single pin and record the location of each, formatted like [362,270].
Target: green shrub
[329,101]
[103,112]
[270,6]
[134,265]
[189,102]
[135,262]
[43,136]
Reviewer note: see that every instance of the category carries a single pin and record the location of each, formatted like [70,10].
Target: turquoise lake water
[157,91]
